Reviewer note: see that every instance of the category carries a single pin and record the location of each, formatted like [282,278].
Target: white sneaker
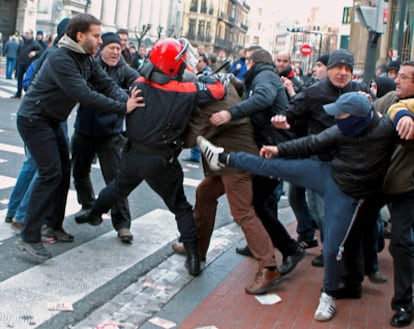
[326,308]
[210,153]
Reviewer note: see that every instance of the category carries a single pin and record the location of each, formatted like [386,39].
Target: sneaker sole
[33,254]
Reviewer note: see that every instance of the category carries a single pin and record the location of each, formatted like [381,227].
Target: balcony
[223,43]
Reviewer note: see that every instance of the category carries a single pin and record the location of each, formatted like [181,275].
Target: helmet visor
[189,55]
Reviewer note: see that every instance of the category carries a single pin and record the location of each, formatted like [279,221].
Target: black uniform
[154,142]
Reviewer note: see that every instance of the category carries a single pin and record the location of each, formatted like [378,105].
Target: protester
[28,51]
[10,51]
[123,35]
[354,173]
[99,133]
[266,97]
[67,77]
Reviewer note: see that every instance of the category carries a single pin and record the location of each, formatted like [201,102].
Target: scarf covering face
[354,126]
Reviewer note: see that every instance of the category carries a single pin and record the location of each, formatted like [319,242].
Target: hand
[289,86]
[220,118]
[405,128]
[32,54]
[268,151]
[279,121]
[134,100]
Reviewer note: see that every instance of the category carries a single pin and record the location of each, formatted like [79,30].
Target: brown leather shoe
[178,248]
[125,235]
[264,281]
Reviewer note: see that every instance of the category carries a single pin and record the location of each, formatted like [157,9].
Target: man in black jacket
[361,143]
[29,50]
[69,76]
[100,133]
[305,113]
[266,97]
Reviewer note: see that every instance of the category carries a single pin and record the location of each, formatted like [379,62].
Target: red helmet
[170,55]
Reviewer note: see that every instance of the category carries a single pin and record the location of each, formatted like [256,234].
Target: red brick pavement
[229,307]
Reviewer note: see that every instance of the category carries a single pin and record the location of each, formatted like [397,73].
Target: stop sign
[306,50]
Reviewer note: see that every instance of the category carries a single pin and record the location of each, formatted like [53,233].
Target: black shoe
[318,261]
[8,219]
[16,97]
[82,211]
[402,317]
[290,262]
[346,292]
[306,244]
[193,259]
[244,251]
[89,218]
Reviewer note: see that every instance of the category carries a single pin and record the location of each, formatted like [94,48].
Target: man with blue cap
[361,144]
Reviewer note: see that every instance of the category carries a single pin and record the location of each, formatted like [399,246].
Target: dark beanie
[39,32]
[61,28]
[341,57]
[323,59]
[384,85]
[110,37]
[394,65]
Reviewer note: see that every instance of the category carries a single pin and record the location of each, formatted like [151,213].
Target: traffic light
[373,18]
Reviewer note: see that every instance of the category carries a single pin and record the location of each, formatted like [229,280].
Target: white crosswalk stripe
[83,269]
[7,87]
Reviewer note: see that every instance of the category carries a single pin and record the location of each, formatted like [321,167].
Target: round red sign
[306,50]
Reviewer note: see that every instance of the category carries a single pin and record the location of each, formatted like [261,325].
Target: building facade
[159,18]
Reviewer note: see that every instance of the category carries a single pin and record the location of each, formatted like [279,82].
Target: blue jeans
[340,208]
[195,153]
[315,203]
[48,146]
[10,67]
[22,184]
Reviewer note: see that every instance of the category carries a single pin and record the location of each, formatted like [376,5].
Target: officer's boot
[193,259]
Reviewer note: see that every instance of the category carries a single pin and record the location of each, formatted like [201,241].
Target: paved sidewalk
[227,306]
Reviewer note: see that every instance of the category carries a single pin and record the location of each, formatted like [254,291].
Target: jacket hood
[67,42]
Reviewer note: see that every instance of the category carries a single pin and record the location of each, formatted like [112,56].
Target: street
[96,267]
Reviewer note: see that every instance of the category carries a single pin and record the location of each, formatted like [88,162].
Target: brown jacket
[236,135]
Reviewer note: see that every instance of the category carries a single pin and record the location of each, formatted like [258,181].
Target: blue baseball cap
[354,103]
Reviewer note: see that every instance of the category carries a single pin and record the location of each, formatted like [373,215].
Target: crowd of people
[257,122]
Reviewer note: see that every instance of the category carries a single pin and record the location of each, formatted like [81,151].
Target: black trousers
[164,175]
[265,205]
[108,149]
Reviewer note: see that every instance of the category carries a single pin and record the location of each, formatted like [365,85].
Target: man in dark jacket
[361,143]
[100,133]
[305,113]
[266,97]
[154,138]
[29,50]
[69,76]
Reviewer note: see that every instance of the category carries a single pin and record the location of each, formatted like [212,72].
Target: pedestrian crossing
[39,295]
[7,87]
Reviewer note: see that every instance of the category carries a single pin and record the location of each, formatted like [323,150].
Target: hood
[68,43]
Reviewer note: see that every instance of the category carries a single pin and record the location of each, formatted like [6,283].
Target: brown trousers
[239,191]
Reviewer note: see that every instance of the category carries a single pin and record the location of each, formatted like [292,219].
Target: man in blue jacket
[101,134]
